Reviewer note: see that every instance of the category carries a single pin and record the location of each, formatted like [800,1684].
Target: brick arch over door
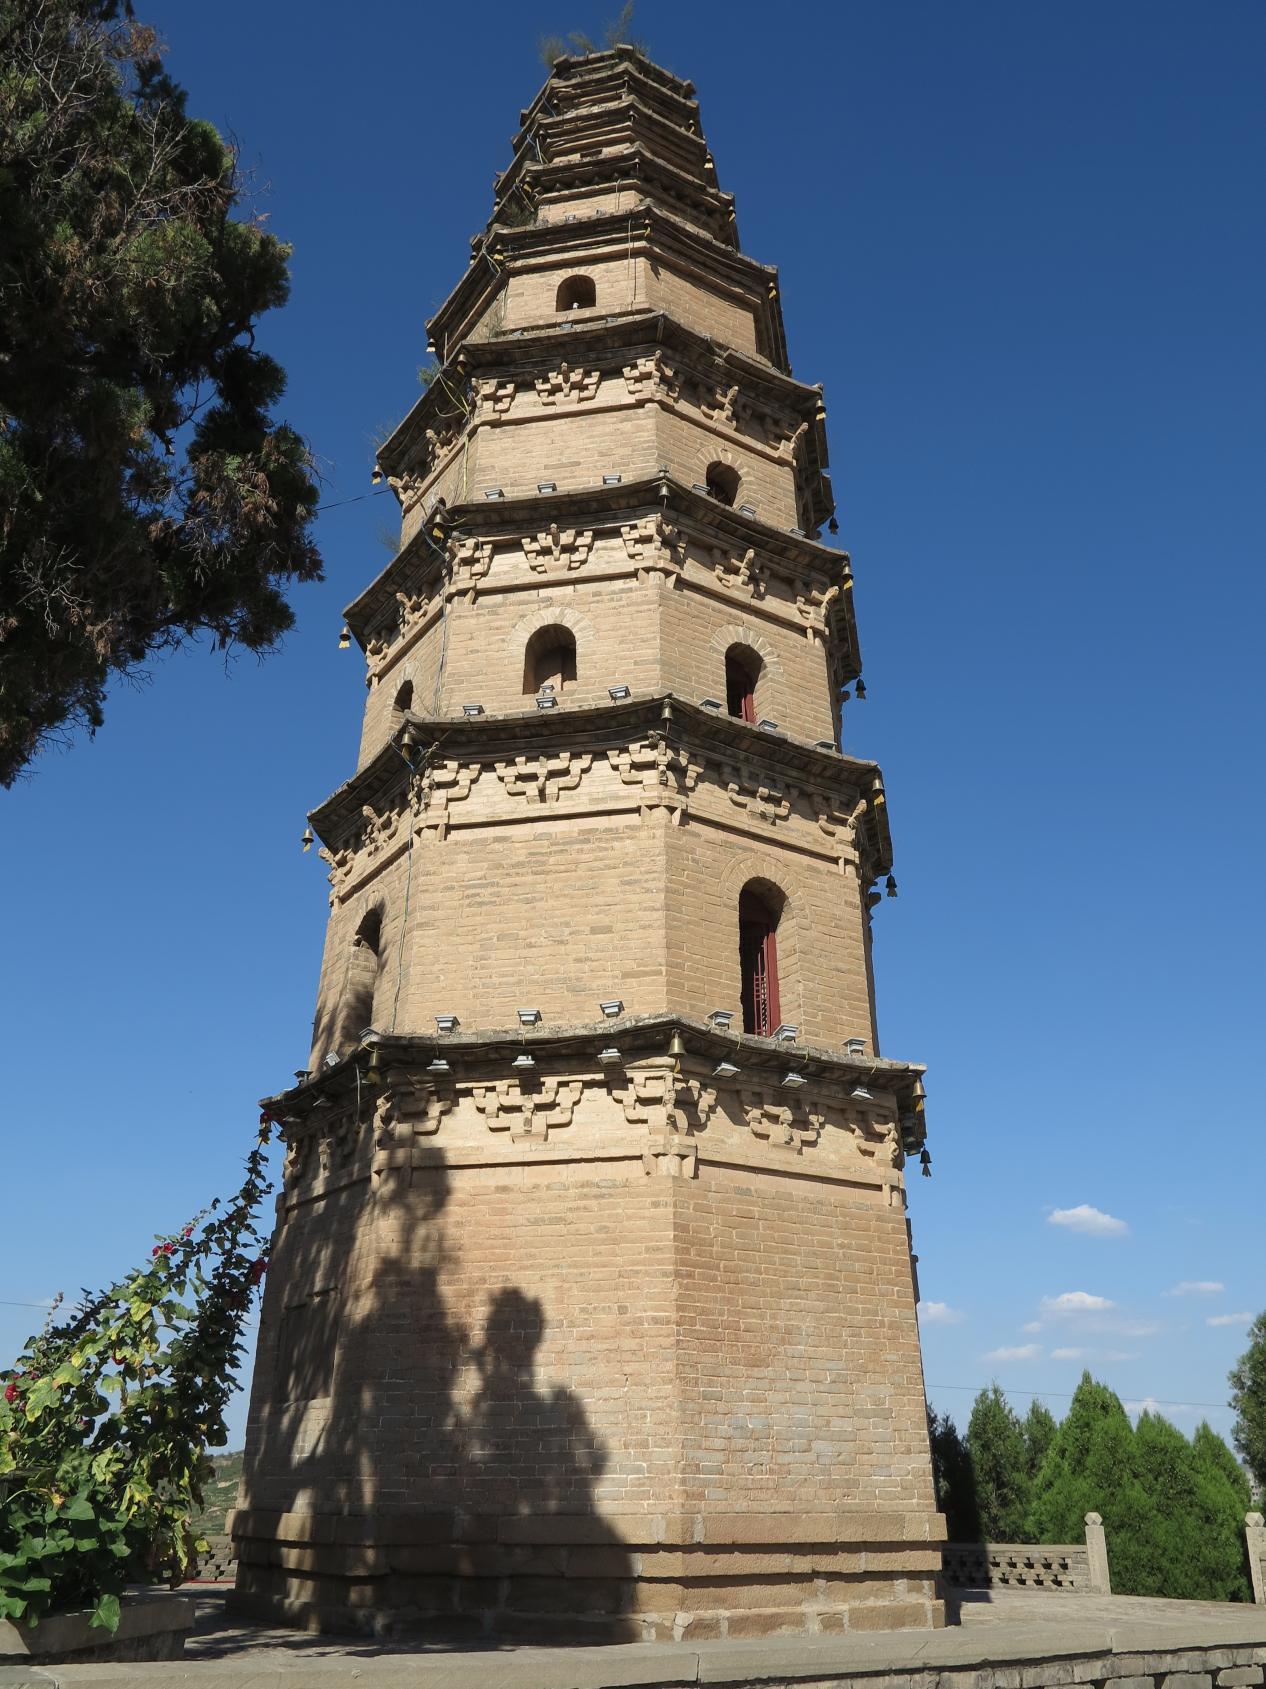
[771,691]
[767,875]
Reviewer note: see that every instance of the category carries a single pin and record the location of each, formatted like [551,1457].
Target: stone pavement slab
[1031,1639]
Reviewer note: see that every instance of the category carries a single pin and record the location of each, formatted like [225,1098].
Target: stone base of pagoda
[590,1579]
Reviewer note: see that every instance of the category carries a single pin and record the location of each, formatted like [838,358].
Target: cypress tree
[1090,1467]
[1039,1433]
[1164,1556]
[1222,1500]
[999,1459]
[955,1480]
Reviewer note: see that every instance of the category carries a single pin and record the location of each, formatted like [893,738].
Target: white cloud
[1031,1325]
[1069,1354]
[1022,1352]
[940,1313]
[1092,1221]
[1120,1355]
[1076,1302]
[1169,1410]
[1229,1319]
[1197,1287]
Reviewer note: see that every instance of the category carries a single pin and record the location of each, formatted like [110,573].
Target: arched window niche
[743,668]
[402,703]
[722,482]
[550,660]
[760,910]
[576,293]
[363,967]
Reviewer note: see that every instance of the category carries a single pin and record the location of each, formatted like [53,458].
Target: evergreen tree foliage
[955,1480]
[1090,1468]
[1000,1466]
[1248,1399]
[1039,1433]
[147,495]
[1164,1554]
[1220,1572]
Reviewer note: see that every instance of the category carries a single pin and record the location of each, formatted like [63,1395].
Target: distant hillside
[220,1494]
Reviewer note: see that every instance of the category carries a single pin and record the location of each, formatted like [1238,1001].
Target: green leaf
[106,1613]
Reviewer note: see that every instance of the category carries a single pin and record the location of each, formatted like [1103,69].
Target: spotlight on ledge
[610,1057]
[523,1062]
[472,709]
[795,1080]
[547,486]
[721,1019]
[854,1046]
[529,1017]
[612,1010]
[447,1023]
[824,744]
[747,510]
[724,1070]
[303,1073]
[439,1065]
[862,1094]
[710,703]
[493,492]
[547,701]
[617,694]
[767,725]
[611,480]
[798,532]
[785,1033]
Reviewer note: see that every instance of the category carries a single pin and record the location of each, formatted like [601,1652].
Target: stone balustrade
[1074,1568]
[1255,1541]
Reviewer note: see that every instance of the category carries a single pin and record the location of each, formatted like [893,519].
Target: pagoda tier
[591,1305]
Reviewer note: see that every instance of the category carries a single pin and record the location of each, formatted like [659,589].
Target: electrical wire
[1067,1395]
[339,503]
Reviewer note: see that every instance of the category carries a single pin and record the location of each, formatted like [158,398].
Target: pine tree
[147,494]
[1163,1555]
[999,1461]
[955,1480]
[1248,1398]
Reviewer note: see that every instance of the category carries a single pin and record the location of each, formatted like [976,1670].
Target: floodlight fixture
[472,709]
[862,1094]
[610,1057]
[793,1079]
[724,1070]
[768,725]
[855,1046]
[332,1059]
[529,1017]
[447,1023]
[824,744]
[547,701]
[523,1062]
[710,703]
[698,487]
[617,694]
[547,486]
[747,510]
[798,532]
[302,1074]
[721,1019]
[612,480]
[786,1033]
[439,1065]
[612,1010]
[493,492]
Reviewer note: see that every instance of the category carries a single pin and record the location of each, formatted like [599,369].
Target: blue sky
[1022,247]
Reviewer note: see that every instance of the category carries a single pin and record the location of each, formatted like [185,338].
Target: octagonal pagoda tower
[591,1307]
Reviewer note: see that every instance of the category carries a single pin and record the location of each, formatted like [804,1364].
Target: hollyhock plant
[106,1418]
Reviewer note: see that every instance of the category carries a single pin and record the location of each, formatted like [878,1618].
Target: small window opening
[722,482]
[403,701]
[758,963]
[742,671]
[550,660]
[577,293]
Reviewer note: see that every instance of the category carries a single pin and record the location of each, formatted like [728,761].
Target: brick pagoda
[591,1308]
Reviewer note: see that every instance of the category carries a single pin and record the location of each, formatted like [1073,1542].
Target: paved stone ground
[995,1628]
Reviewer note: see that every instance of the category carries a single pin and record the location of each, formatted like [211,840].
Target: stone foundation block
[1240,1677]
